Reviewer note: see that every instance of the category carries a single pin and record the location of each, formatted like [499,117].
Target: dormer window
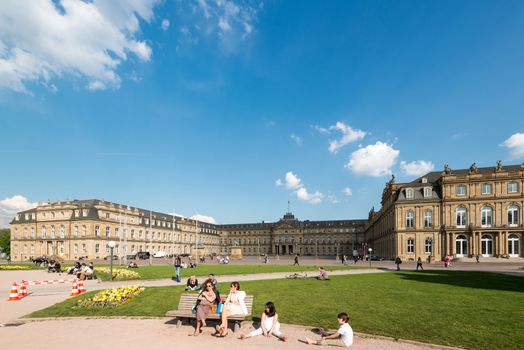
[409,193]
[424,180]
[427,192]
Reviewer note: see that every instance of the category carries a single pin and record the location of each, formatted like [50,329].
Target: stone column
[453,247]
[496,244]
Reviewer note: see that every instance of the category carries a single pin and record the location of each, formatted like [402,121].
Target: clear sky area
[230,109]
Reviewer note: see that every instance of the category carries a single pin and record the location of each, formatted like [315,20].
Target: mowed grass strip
[167,271]
[473,310]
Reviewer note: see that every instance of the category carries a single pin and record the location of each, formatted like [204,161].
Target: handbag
[213,308]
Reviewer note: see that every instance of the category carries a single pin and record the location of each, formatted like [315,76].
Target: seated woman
[234,305]
[322,274]
[206,301]
[192,283]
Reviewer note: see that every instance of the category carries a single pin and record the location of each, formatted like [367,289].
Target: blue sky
[229,109]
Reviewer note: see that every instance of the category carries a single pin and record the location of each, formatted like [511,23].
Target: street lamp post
[111,246]
[370,250]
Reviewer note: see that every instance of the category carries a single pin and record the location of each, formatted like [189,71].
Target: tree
[5,241]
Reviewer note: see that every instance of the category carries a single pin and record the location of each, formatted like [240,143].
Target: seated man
[85,272]
[323,275]
[132,265]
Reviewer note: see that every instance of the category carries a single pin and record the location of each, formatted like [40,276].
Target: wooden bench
[185,311]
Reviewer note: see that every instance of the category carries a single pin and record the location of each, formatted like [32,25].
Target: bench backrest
[187,301]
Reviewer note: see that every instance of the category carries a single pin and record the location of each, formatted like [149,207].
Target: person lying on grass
[268,324]
[342,337]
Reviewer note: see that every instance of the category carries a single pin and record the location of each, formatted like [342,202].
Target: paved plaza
[162,333]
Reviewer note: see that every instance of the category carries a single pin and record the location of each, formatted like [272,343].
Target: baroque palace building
[460,213]
[82,228]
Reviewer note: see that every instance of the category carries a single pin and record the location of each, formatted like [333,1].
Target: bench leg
[178,322]
[236,326]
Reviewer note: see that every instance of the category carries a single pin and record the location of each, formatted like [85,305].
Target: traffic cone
[14,293]
[81,288]
[23,291]
[74,290]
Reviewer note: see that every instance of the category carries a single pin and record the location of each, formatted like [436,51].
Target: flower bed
[112,297]
[121,274]
[15,267]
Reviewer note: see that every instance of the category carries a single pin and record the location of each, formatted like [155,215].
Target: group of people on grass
[82,270]
[209,302]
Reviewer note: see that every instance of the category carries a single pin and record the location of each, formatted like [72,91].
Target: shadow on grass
[467,279]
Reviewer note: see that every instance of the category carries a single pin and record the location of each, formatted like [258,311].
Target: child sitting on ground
[268,324]
[342,337]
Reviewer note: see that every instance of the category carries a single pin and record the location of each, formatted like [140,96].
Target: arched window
[462,217]
[513,245]
[410,219]
[108,231]
[461,245]
[53,231]
[486,216]
[513,215]
[62,231]
[487,245]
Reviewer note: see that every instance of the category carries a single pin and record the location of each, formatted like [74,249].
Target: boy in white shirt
[342,337]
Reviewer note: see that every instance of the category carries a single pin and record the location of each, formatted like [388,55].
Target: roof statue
[473,169]
[447,170]
[499,166]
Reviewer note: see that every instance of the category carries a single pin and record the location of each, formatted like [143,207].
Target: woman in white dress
[234,305]
[269,324]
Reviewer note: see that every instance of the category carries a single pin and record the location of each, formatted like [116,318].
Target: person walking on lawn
[296,260]
[419,264]
[398,261]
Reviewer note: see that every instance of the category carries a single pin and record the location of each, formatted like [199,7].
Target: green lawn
[167,271]
[468,309]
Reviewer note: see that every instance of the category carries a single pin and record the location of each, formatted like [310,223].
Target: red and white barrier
[77,287]
[38,283]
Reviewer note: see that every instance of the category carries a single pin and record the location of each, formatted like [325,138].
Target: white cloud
[293,183]
[332,199]
[348,135]
[165,24]
[347,191]
[10,206]
[313,198]
[417,167]
[321,129]
[373,160]
[229,17]
[223,24]
[44,40]
[296,139]
[204,218]
[515,144]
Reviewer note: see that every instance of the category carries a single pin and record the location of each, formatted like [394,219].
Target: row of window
[487,188]
[427,192]
[428,219]
[486,217]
